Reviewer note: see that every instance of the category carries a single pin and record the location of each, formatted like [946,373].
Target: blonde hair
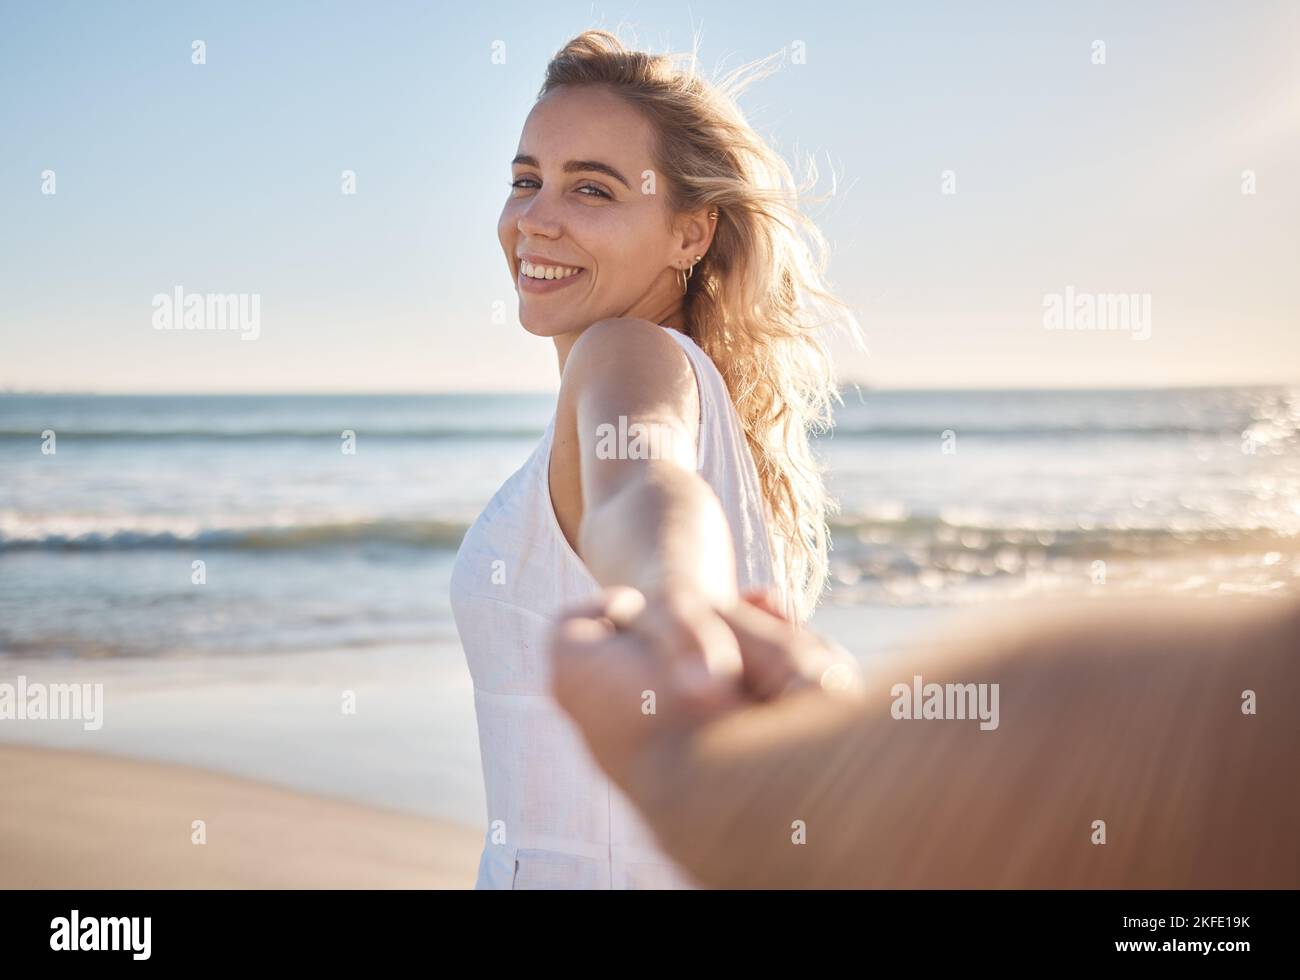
[757,299]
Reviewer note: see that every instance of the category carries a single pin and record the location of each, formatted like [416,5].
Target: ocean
[946,499]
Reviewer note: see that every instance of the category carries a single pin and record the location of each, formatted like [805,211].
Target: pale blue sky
[225,177]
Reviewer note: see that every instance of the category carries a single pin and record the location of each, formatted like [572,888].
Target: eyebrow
[576,166]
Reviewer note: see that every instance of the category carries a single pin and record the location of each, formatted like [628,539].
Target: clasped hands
[640,675]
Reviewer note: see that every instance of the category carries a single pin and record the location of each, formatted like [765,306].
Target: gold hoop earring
[688,272]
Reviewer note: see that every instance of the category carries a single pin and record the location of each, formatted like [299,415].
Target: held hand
[633,674]
[641,675]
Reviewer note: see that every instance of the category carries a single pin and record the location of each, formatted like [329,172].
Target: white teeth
[546,271]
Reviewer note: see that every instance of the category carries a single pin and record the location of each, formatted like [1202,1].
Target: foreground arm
[1130,717]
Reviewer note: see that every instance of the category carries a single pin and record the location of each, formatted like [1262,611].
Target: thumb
[573,652]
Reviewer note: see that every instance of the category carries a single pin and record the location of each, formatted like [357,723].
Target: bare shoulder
[632,362]
[625,342]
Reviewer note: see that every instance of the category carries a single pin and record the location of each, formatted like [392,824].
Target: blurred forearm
[1133,718]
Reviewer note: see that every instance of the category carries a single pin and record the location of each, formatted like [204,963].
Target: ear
[692,236]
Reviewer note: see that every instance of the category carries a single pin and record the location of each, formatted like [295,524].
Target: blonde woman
[657,241]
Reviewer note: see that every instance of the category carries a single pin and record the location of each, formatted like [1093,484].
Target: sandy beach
[295,793]
[81,820]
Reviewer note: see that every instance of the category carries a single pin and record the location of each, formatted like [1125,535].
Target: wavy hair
[758,300]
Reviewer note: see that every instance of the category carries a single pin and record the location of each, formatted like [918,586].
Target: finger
[586,656]
[779,656]
[669,627]
[662,647]
[704,695]
[575,642]
[624,605]
[766,600]
[616,605]
[684,641]
[767,649]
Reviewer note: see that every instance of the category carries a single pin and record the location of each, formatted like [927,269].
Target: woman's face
[584,197]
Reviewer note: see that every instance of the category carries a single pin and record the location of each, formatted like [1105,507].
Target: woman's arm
[628,421]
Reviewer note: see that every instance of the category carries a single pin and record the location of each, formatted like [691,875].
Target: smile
[546,271]
[546,278]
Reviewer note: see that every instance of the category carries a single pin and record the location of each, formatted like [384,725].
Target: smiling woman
[658,242]
[648,180]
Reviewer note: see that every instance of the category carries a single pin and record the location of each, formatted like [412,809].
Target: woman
[657,241]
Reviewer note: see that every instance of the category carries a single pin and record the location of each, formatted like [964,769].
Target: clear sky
[1122,177]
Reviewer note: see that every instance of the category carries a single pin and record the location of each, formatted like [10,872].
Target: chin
[544,326]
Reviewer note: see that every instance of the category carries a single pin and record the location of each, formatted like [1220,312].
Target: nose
[538,217]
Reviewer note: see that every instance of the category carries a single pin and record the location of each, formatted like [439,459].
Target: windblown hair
[758,300]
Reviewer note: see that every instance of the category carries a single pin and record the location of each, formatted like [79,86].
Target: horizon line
[845,389]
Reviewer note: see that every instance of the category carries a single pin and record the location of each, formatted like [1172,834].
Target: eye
[595,191]
[523,183]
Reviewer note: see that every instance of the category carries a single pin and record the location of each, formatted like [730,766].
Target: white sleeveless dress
[554,819]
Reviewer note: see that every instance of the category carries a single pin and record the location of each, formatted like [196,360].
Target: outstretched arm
[626,441]
[629,402]
[1129,715]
